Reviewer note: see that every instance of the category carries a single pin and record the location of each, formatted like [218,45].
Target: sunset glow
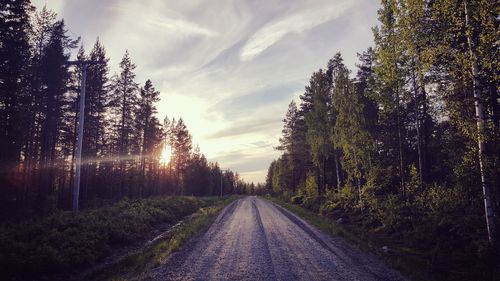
[166,154]
[221,85]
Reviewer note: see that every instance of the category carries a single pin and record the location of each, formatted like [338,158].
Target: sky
[229,68]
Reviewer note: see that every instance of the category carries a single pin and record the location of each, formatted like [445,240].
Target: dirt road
[253,239]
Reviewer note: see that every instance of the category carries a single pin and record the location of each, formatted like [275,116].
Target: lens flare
[166,154]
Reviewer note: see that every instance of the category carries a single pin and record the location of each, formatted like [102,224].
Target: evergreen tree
[146,124]
[182,145]
[55,86]
[197,175]
[319,124]
[123,102]
[293,143]
[14,91]
[97,98]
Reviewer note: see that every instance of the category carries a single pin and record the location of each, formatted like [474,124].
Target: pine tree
[123,102]
[197,175]
[97,98]
[294,145]
[319,125]
[55,80]
[14,91]
[182,145]
[145,125]
[144,113]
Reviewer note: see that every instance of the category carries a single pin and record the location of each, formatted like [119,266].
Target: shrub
[297,199]
[63,241]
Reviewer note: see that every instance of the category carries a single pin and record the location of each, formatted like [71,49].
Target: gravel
[254,239]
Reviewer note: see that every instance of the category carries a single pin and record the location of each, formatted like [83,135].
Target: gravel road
[253,239]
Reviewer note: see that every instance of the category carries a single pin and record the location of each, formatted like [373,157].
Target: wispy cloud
[158,16]
[238,129]
[298,22]
[228,67]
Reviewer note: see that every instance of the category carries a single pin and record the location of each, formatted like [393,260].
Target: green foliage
[158,253]
[404,136]
[308,195]
[65,241]
[297,199]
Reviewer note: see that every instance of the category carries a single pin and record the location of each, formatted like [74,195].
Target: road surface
[253,239]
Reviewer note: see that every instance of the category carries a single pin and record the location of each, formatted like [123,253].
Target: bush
[331,204]
[63,241]
[309,194]
[297,199]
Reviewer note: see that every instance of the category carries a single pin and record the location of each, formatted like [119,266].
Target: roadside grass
[62,243]
[139,264]
[397,256]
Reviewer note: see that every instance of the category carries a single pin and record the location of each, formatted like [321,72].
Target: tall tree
[14,91]
[182,145]
[144,122]
[388,54]
[480,109]
[294,145]
[96,99]
[55,80]
[319,124]
[197,175]
[416,35]
[123,102]
[464,66]
[350,134]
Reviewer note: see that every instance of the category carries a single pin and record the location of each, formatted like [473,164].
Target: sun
[166,154]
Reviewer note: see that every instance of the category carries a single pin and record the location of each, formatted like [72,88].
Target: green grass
[140,264]
[64,243]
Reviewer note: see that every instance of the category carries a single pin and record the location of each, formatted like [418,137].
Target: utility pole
[221,183]
[82,64]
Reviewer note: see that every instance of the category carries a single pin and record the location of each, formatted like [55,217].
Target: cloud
[245,161]
[254,176]
[159,17]
[238,129]
[228,67]
[252,103]
[299,22]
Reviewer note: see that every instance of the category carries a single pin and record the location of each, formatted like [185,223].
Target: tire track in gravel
[254,239]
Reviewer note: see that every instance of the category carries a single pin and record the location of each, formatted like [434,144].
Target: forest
[127,150]
[405,150]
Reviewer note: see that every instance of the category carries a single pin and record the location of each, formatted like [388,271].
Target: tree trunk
[337,170]
[417,125]
[481,130]
[400,144]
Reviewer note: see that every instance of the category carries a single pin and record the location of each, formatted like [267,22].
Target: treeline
[124,145]
[401,146]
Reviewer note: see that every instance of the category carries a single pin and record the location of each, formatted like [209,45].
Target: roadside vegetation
[421,253]
[63,243]
[140,264]
[405,149]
